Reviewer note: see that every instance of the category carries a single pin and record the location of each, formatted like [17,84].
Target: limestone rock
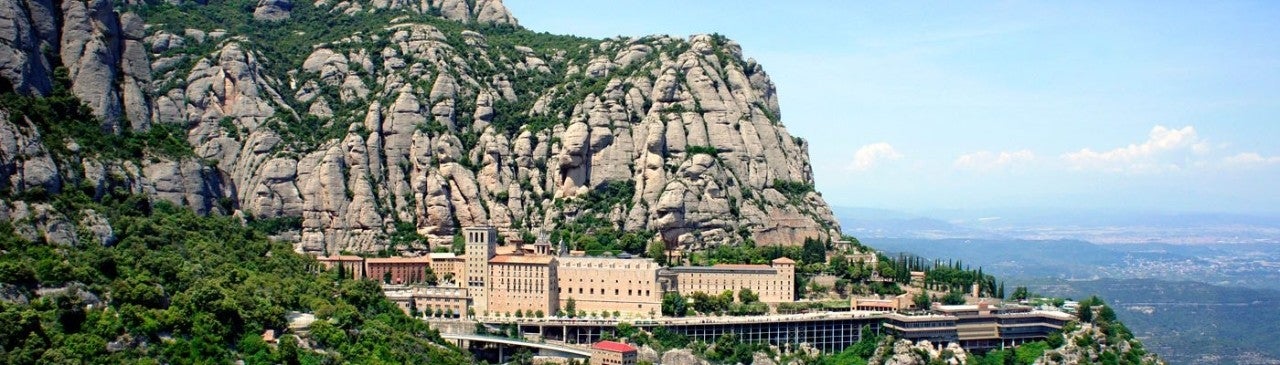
[682,357]
[761,358]
[23,30]
[25,163]
[98,227]
[39,222]
[648,354]
[492,11]
[422,125]
[272,10]
[91,40]
[12,294]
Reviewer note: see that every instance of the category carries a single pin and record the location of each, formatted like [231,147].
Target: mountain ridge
[394,117]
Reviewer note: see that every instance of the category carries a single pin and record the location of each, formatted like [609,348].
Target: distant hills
[1189,322]
[1192,304]
[1052,224]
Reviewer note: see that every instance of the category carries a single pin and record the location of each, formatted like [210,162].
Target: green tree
[1029,352]
[571,307]
[1107,314]
[522,357]
[746,296]
[429,276]
[288,350]
[922,300]
[814,251]
[1021,293]
[839,264]
[674,305]
[658,252]
[953,298]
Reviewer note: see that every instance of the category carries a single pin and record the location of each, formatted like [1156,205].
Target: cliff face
[431,115]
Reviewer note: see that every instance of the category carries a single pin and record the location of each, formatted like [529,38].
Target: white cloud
[987,160]
[870,155]
[1165,149]
[1250,159]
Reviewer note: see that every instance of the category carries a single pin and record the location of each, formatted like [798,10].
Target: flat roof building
[978,326]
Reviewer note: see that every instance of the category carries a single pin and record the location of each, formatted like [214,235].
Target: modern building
[978,326]
[613,353]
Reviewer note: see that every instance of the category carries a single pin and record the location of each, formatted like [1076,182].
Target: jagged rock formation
[1088,343]
[905,352]
[272,10]
[418,120]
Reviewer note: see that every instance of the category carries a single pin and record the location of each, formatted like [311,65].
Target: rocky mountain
[361,118]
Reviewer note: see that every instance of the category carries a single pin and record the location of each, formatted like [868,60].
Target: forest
[177,287]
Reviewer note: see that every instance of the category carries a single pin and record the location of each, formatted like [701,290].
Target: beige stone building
[397,270]
[403,270]
[525,283]
[353,266]
[481,244]
[623,285]
[532,280]
[774,283]
[888,304]
[430,299]
[613,353]
[448,265]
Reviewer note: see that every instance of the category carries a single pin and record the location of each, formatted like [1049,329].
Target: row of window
[617,292]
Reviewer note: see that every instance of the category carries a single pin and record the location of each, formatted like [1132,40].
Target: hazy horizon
[1155,107]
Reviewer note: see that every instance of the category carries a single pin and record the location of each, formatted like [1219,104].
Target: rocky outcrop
[682,357]
[272,10]
[26,29]
[39,222]
[100,48]
[437,128]
[25,162]
[97,227]
[1088,343]
[465,11]
[904,352]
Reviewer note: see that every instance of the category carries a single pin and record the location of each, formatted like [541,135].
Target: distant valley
[1103,227]
[1192,303]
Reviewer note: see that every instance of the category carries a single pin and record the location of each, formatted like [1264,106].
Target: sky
[1170,106]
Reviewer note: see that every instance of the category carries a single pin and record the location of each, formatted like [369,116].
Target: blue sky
[920,106]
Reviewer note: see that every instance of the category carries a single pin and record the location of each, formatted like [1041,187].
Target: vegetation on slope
[182,288]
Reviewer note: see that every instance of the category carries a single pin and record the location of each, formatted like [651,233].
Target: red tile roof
[613,346]
[522,259]
[339,258]
[783,260]
[741,266]
[398,260]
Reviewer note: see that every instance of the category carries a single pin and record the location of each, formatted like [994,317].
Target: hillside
[361,120]
[154,281]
